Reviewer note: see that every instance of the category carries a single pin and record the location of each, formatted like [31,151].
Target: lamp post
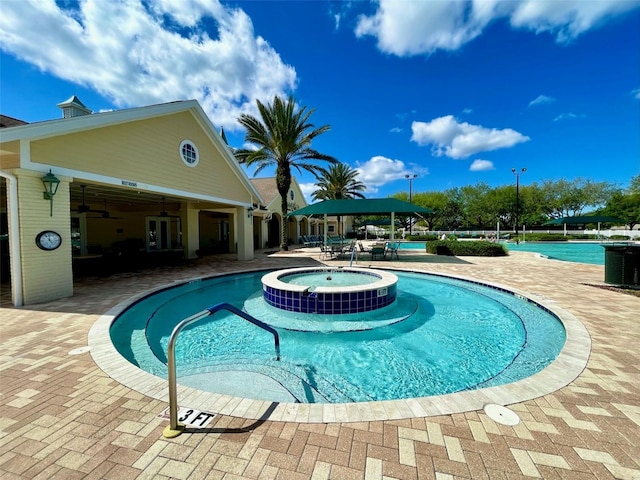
[410,178]
[517,174]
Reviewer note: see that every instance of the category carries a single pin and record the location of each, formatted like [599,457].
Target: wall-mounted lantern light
[51,183]
[250,211]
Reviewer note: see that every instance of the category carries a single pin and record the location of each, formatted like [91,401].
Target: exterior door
[158,234]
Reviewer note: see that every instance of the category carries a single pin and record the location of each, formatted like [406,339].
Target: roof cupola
[73,107]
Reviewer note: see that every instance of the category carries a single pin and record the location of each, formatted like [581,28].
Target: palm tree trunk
[283,184]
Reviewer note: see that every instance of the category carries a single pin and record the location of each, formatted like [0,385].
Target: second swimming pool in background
[592,253]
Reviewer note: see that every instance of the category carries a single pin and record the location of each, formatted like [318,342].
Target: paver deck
[62,416]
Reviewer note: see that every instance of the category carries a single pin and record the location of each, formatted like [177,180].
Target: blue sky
[454,92]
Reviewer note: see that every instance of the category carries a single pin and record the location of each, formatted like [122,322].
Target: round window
[189,153]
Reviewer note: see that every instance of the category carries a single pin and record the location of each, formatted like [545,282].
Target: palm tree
[339,182]
[282,137]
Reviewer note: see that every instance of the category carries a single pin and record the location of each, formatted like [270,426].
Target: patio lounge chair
[362,249]
[377,251]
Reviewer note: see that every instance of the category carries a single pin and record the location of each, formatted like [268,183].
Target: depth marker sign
[191,417]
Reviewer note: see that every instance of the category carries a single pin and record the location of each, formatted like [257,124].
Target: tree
[339,182]
[562,198]
[436,201]
[626,204]
[282,137]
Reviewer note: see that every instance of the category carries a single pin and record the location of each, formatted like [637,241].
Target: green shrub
[472,249]
[547,237]
[619,237]
[421,238]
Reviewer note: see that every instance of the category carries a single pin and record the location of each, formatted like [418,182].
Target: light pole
[410,178]
[517,174]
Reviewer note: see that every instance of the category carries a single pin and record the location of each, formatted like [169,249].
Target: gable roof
[269,191]
[266,187]
[64,126]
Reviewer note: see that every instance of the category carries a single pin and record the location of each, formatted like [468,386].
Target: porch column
[46,275]
[244,233]
[190,231]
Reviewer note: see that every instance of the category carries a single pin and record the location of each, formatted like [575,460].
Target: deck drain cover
[501,414]
[79,350]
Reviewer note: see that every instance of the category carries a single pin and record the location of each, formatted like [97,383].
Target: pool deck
[63,417]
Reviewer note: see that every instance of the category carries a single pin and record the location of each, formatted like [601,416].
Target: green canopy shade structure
[581,220]
[585,219]
[364,206]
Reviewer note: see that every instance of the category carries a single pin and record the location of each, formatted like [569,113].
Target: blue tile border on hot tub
[330,300]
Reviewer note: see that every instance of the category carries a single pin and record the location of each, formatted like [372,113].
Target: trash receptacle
[622,265]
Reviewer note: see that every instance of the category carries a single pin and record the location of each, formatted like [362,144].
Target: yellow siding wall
[147,152]
[10,155]
[45,275]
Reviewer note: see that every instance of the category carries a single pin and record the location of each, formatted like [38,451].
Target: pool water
[567,251]
[592,253]
[412,246]
[329,279]
[456,336]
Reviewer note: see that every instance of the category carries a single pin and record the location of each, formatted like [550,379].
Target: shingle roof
[6,121]
[266,188]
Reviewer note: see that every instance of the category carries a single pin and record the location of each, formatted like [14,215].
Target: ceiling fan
[105,213]
[164,212]
[83,208]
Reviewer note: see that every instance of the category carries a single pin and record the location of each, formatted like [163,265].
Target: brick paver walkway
[62,417]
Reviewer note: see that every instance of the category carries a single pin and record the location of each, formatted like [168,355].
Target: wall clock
[48,240]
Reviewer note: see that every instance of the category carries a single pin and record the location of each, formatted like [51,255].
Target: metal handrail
[175,428]
[353,253]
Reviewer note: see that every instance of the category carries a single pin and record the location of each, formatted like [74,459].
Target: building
[141,184]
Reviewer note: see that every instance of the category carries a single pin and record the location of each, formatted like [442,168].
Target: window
[189,153]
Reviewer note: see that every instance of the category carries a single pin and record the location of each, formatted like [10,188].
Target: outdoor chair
[309,241]
[392,249]
[326,251]
[377,251]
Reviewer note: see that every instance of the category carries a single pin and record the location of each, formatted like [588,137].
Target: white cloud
[541,100]
[567,116]
[411,28]
[481,165]
[467,111]
[453,139]
[137,53]
[380,170]
[307,190]
[414,28]
[636,93]
[396,130]
[566,19]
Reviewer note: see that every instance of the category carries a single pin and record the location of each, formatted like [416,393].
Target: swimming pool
[462,336]
[582,252]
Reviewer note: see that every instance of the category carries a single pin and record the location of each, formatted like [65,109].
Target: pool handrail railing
[175,428]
